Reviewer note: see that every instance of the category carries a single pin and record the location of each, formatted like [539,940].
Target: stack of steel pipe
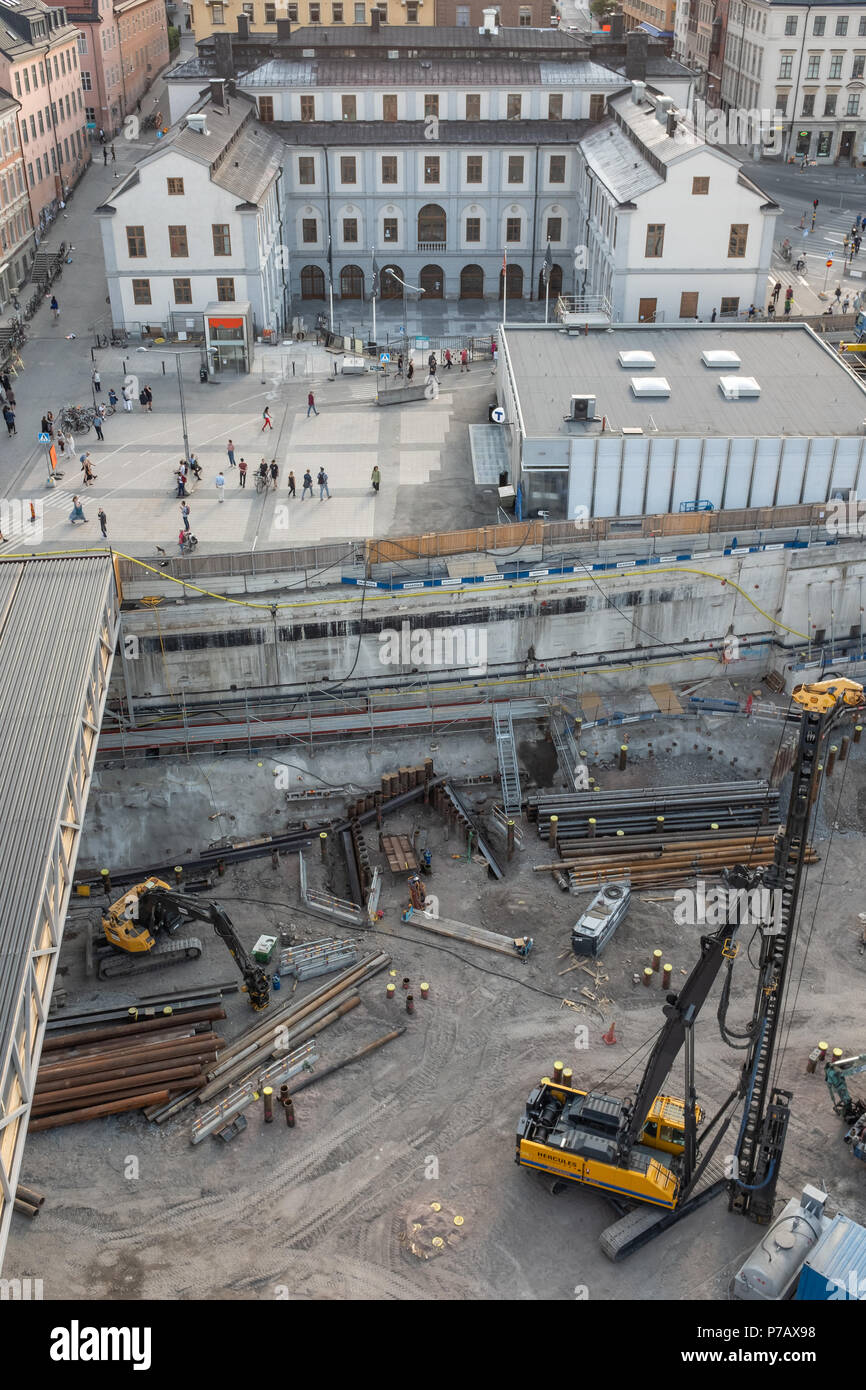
[659,810]
[282,1030]
[668,862]
[123,1066]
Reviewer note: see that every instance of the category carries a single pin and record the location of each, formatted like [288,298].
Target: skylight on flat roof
[647,386]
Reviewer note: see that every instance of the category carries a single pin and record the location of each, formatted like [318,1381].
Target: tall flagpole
[546,297]
[504,285]
[331,283]
[374,294]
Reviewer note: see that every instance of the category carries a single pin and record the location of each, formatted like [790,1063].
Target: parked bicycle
[75,419]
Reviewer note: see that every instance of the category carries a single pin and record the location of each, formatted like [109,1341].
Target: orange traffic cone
[610,1036]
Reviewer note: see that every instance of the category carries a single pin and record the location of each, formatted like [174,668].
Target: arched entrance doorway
[433,282]
[312,282]
[555,282]
[515,282]
[391,287]
[432,227]
[351,282]
[472,282]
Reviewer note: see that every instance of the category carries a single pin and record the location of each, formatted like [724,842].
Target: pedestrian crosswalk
[19,530]
[827,239]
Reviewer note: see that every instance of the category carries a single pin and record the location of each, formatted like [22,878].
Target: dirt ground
[318,1212]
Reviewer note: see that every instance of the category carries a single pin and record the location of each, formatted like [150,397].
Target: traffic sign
[43,438]
[498,415]
[829,263]
[384,357]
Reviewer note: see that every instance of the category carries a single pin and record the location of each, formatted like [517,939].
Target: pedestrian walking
[103,522]
[376,478]
[220,484]
[77,513]
[322,480]
[400,365]
[55,307]
[195,467]
[838,293]
[104,156]
[97,381]
[181,482]
[431,364]
[266,419]
[4,382]
[777,290]
[814,220]
[447,359]
[61,443]
[242,472]
[311,405]
[410,372]
[464,360]
[148,398]
[771,309]
[788,303]
[752,311]
[127,398]
[858,241]
[291,483]
[113,154]
[10,397]
[142,399]
[101,136]
[87,470]
[274,471]
[184,511]
[263,471]
[308,485]
[846,304]
[713,316]
[9,417]
[97,425]
[230,450]
[112,397]
[47,425]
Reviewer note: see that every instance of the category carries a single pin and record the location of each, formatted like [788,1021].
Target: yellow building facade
[221,16]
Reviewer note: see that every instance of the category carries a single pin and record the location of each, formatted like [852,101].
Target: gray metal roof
[428,36]
[651,133]
[479,134]
[618,163]
[251,165]
[805,389]
[432,73]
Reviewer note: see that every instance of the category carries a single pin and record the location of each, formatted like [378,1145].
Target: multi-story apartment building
[39,67]
[16,227]
[699,40]
[198,223]
[512,14]
[122,47]
[221,16]
[655,16]
[674,229]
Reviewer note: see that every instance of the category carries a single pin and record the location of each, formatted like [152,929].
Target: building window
[524,18]
[819,26]
[554,106]
[825,143]
[463,16]
[700,187]
[308,108]
[830,104]
[411,13]
[473,106]
[431,168]
[90,114]
[348,172]
[841,26]
[554,229]
[512,229]
[360,14]
[82,42]
[813,67]
[474,168]
[175,188]
[737,240]
[808,104]
[857,69]
[791,24]
[556,171]
[473,229]
[226,288]
[729,306]
[596,107]
[85,81]
[389,108]
[315,14]
[513,104]
[389,168]
[306,169]
[217,14]
[266,108]
[349,107]
[782,102]
[18,84]
[350,229]
[389,228]
[655,240]
[309,230]
[785,65]
[835,72]
[853,104]
[222,241]
[861,30]
[177,241]
[431,104]
[337,14]
[136,246]
[515,168]
[141,292]
[292,13]
[183,292]
[270,14]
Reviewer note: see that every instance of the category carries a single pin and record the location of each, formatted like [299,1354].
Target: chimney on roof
[243,26]
[617,25]
[638,92]
[284,28]
[222,52]
[217,91]
[636,42]
[663,109]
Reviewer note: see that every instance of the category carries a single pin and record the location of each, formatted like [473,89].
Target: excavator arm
[255,979]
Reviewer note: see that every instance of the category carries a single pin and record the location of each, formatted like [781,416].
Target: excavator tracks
[164,953]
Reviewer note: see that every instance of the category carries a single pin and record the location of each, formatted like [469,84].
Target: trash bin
[202,373]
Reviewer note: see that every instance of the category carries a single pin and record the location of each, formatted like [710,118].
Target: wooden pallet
[399,853]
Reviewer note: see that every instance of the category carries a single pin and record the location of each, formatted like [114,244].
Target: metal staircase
[503,728]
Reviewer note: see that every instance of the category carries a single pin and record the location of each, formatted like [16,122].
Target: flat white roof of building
[805,389]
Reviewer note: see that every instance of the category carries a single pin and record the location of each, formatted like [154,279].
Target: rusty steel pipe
[95,1112]
[150,1025]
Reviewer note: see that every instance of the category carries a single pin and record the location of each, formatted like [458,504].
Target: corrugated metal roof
[840,1257]
[579,75]
[400,72]
[480,134]
[652,134]
[51,620]
[252,164]
[618,163]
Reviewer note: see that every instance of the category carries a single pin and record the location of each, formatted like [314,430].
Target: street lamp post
[182,404]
